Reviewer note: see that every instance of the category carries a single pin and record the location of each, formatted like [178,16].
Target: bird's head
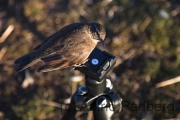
[98,32]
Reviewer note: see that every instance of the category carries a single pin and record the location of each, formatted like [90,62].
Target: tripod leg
[70,112]
[102,110]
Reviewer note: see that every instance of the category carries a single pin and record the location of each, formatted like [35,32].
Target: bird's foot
[80,65]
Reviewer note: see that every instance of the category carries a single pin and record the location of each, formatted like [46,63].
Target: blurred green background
[142,34]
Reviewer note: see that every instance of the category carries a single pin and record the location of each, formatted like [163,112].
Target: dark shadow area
[142,34]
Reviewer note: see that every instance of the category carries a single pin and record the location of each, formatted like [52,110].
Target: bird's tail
[26,61]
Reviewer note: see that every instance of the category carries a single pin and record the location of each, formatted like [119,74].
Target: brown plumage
[70,46]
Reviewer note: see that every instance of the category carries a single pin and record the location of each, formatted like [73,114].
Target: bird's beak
[102,41]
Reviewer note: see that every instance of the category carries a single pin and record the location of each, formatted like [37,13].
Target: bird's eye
[97,33]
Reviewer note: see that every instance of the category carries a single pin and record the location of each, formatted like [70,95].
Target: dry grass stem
[54,104]
[6,33]
[145,24]
[2,52]
[126,56]
[168,82]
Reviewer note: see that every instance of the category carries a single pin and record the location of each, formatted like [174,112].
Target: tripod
[97,95]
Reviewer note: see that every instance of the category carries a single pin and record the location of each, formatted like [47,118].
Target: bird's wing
[75,50]
[62,32]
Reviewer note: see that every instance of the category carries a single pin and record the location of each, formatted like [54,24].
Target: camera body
[98,65]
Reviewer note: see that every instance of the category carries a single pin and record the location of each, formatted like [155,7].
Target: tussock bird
[69,47]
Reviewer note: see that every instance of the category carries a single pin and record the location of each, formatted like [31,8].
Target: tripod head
[97,95]
[98,65]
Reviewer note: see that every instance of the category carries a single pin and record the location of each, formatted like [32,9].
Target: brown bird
[70,46]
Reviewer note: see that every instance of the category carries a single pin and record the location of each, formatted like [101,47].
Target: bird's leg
[84,64]
[80,65]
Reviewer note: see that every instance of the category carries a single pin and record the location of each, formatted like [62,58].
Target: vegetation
[142,34]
